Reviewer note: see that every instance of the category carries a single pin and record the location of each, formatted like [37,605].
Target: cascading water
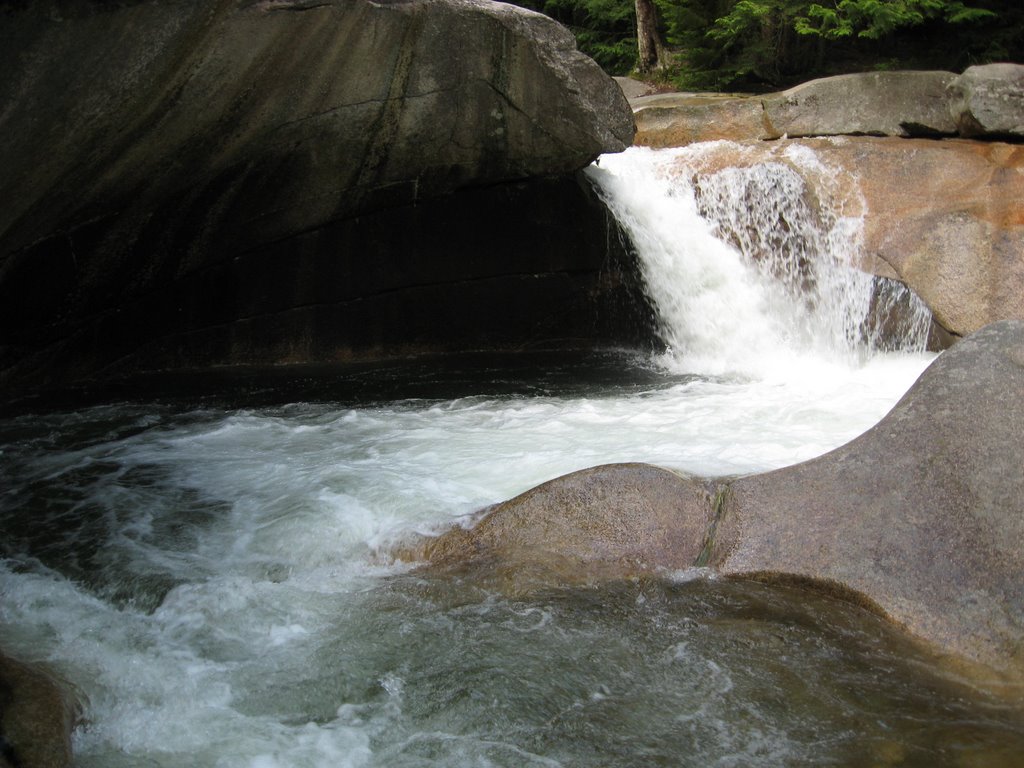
[752,265]
[207,573]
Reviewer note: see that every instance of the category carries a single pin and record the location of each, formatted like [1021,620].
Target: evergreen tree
[767,44]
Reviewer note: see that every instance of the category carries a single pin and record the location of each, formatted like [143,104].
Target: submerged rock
[36,718]
[921,518]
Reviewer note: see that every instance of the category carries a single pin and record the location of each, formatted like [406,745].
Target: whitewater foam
[752,261]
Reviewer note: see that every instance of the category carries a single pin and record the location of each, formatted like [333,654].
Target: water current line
[750,256]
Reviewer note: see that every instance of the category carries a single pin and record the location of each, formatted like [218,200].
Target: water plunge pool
[205,572]
[211,571]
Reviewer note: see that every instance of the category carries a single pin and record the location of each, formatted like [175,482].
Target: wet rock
[36,717]
[921,518]
[946,218]
[923,514]
[607,522]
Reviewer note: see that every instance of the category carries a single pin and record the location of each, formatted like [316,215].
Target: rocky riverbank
[921,518]
[945,217]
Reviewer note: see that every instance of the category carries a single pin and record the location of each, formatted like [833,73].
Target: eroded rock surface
[924,513]
[167,167]
[606,522]
[921,517]
[944,217]
[675,121]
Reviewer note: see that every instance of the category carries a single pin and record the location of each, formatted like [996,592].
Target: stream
[210,569]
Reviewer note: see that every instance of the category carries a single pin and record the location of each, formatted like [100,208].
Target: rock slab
[879,103]
[984,102]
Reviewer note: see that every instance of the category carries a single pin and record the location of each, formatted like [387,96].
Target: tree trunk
[649,46]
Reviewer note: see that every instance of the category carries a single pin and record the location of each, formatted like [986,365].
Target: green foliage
[739,43]
[746,16]
[605,29]
[875,19]
[755,44]
[766,44]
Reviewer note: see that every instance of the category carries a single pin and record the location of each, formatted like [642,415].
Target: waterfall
[750,256]
[208,570]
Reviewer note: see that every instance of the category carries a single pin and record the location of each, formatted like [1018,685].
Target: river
[211,570]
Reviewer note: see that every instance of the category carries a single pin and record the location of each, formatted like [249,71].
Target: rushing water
[208,571]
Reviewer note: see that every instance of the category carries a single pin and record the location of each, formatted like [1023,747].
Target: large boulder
[921,518]
[605,522]
[879,103]
[151,149]
[923,514]
[988,100]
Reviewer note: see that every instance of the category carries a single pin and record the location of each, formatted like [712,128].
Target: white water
[208,578]
[752,266]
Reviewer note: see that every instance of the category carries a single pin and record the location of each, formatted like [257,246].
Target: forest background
[761,45]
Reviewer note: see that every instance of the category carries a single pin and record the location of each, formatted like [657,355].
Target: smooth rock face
[666,121]
[148,146]
[607,522]
[948,218]
[879,103]
[988,100]
[449,274]
[923,514]
[922,517]
[323,107]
